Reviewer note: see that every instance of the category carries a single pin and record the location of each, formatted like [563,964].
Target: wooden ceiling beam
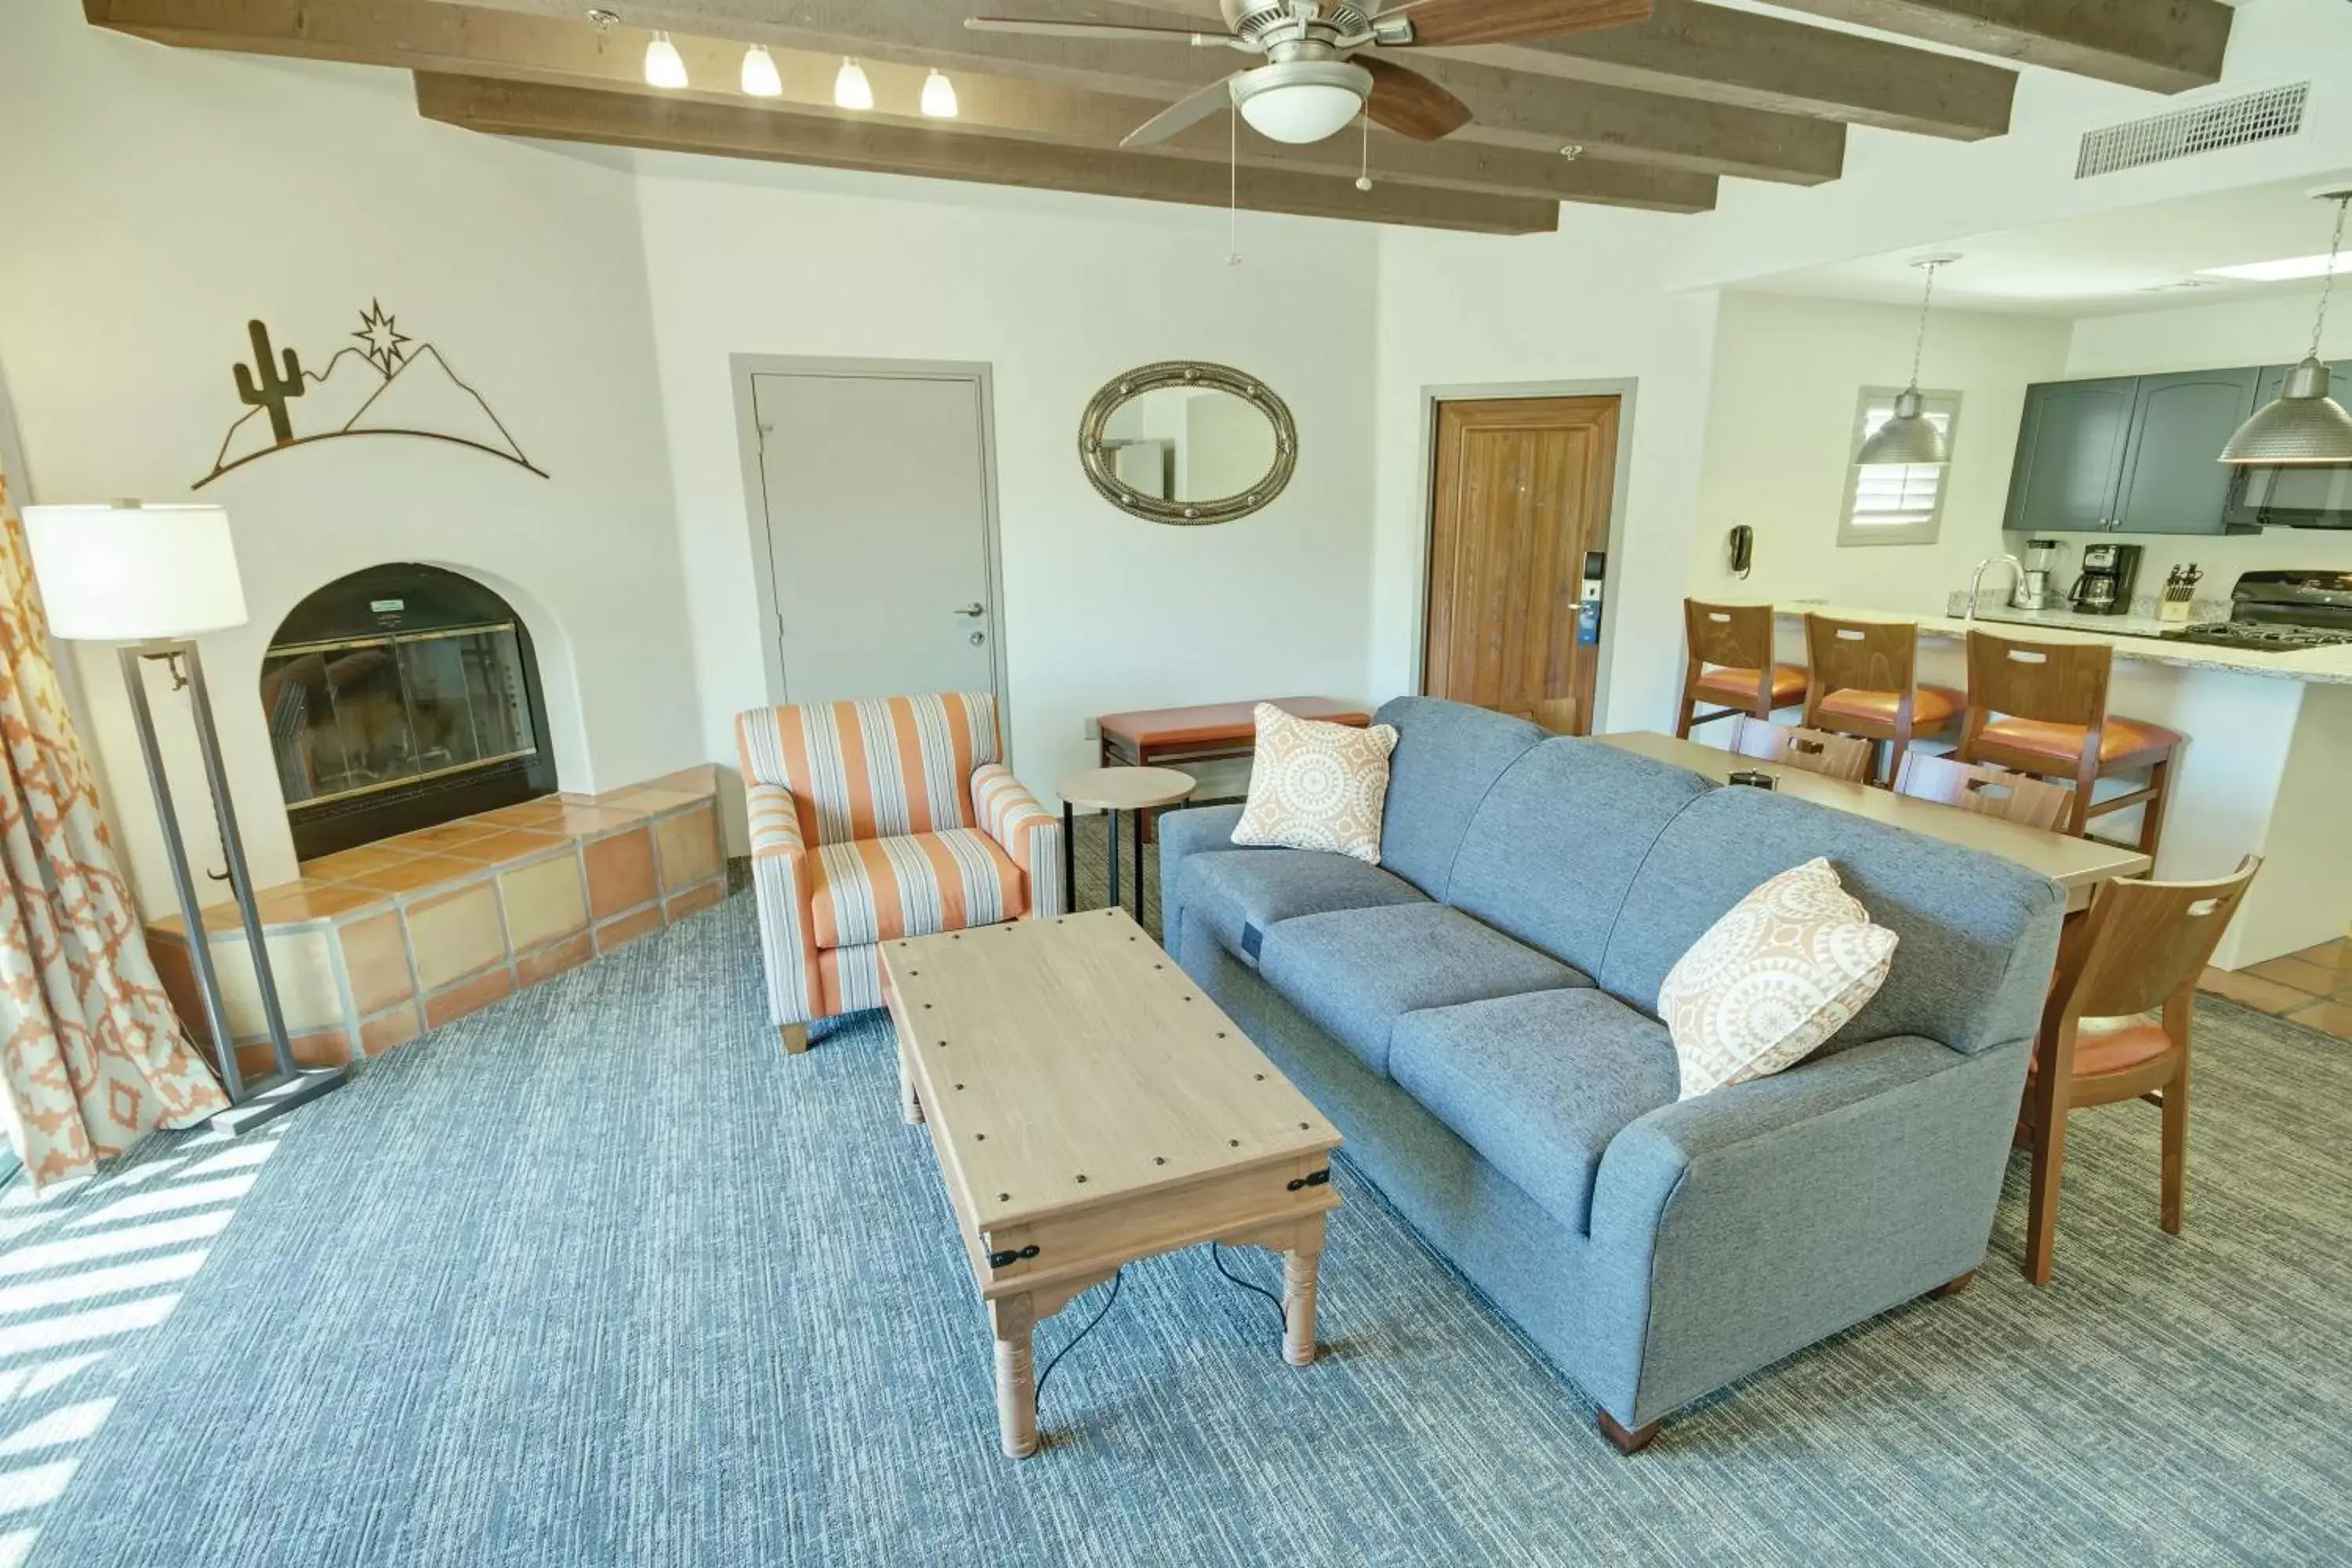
[2165,46]
[469,40]
[672,124]
[1514,109]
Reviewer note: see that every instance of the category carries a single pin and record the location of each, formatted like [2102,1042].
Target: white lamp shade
[126,573]
[760,79]
[850,88]
[665,67]
[938,100]
[1308,112]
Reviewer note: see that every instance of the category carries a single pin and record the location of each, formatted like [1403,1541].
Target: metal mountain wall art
[389,384]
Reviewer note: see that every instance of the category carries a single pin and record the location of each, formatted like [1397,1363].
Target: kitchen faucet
[1976,579]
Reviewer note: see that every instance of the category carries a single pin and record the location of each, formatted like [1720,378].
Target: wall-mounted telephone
[1743,550]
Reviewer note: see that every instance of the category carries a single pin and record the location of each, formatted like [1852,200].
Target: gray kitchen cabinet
[2172,481]
[2070,455]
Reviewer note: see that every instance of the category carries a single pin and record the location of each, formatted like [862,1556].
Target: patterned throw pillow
[1318,785]
[1783,970]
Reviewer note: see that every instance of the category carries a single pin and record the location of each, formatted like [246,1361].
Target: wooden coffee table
[1089,1106]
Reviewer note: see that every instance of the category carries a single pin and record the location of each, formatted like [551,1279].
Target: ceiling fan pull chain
[1233,186]
[1364,172]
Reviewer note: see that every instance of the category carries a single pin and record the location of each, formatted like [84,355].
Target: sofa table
[1089,1107]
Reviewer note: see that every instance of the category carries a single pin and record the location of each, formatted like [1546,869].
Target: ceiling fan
[1321,70]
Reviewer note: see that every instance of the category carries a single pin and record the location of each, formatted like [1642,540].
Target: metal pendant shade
[2304,426]
[1910,438]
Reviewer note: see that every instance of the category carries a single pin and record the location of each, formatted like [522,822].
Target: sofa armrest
[1024,830]
[780,880]
[1182,833]
[1737,1227]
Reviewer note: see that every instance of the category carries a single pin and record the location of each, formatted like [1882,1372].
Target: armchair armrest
[1024,830]
[1742,1226]
[780,880]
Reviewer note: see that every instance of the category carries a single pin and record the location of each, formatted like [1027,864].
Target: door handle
[974,609]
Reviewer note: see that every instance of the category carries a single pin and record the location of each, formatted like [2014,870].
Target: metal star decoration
[383,343]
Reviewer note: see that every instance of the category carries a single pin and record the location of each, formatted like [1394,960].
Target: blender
[2033,591]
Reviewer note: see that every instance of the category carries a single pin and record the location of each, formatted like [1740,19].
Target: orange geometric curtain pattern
[91,1056]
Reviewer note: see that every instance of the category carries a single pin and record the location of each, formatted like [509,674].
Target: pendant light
[664,66]
[1910,436]
[850,88]
[760,79]
[938,101]
[2304,426]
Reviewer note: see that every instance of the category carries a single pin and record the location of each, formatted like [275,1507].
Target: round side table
[1136,792]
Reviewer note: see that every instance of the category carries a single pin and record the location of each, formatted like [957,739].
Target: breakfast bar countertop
[2132,638]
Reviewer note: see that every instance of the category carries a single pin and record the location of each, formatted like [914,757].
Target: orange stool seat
[2122,741]
[1738,686]
[1932,706]
[2126,1049]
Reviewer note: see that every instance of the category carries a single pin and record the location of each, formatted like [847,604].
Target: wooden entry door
[1523,490]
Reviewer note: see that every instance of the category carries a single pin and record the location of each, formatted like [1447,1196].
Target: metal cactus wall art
[274,389]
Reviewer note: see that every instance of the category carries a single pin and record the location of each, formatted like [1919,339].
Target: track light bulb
[664,66]
[760,77]
[939,96]
[850,88]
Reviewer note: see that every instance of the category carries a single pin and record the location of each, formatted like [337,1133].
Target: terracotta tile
[702,779]
[456,934]
[218,917]
[510,844]
[346,864]
[613,936]
[375,961]
[645,798]
[530,814]
[2301,974]
[694,901]
[327,1049]
[687,845]
[302,962]
[177,969]
[543,900]
[257,1060]
[397,1027]
[415,871]
[467,996]
[2329,1017]
[2250,990]
[446,836]
[314,902]
[620,872]
[588,821]
[2333,955]
[561,958]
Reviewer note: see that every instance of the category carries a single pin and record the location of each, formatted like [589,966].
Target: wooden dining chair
[2140,948]
[1815,751]
[1730,663]
[2042,708]
[2013,797]
[1861,681]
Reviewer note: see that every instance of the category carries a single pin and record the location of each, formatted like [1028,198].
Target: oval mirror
[1187,442]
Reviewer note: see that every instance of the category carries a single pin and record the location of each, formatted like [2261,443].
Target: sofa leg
[795,1037]
[1953,1287]
[1632,1442]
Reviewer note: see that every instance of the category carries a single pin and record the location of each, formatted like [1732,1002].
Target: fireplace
[397,698]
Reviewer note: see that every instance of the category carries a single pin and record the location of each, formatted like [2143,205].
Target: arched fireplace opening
[400,696]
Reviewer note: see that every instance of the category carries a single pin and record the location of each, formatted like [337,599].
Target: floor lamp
[151,578]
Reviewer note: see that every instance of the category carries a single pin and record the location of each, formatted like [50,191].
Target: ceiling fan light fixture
[760,79]
[939,96]
[665,67]
[1301,102]
[850,88]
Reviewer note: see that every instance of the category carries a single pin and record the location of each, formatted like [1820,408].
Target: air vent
[2232,122]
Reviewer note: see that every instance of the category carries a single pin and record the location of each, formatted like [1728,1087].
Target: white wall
[1584,304]
[156,199]
[1780,433]
[1102,612]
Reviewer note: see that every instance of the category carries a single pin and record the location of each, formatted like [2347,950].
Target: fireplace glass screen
[366,713]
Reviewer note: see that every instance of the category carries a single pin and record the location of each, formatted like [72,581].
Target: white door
[877,502]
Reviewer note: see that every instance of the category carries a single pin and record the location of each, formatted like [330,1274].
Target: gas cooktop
[2258,637]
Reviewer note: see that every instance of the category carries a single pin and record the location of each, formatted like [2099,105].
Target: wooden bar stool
[1989,792]
[1862,684]
[2041,708]
[1731,663]
[1815,751]
[2141,948]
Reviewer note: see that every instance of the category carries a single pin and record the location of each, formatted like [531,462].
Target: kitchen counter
[2132,637]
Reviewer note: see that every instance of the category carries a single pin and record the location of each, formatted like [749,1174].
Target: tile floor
[2313,987]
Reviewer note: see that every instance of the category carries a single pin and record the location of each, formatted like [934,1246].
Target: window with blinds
[1898,503]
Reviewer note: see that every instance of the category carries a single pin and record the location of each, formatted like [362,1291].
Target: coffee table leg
[1298,1269]
[1012,1317]
[1069,860]
[910,1104]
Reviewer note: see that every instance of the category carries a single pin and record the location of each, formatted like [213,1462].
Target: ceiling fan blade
[1188,110]
[1409,104]
[1445,24]
[1044,30]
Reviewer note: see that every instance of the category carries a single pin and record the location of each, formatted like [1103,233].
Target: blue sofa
[1477,1015]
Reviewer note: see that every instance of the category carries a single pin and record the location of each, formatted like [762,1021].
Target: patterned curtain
[91,1056]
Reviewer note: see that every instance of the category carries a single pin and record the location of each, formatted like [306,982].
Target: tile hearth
[373,946]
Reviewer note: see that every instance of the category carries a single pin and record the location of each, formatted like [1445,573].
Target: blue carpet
[597,1277]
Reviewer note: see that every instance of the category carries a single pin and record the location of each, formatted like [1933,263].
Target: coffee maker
[2105,588]
[2033,591]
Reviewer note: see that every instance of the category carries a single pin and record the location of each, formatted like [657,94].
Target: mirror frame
[1197,374]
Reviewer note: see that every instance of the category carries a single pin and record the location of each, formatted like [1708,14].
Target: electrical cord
[1282,1319]
[1101,1313]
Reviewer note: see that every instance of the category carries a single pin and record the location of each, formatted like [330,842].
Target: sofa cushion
[1447,756]
[1354,972]
[1538,1084]
[1239,892]
[1551,852]
[1968,924]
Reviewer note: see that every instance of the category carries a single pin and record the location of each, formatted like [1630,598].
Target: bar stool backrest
[1858,656]
[2057,683]
[1991,792]
[1739,635]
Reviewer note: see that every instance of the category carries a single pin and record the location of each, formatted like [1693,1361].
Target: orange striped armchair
[878,819]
